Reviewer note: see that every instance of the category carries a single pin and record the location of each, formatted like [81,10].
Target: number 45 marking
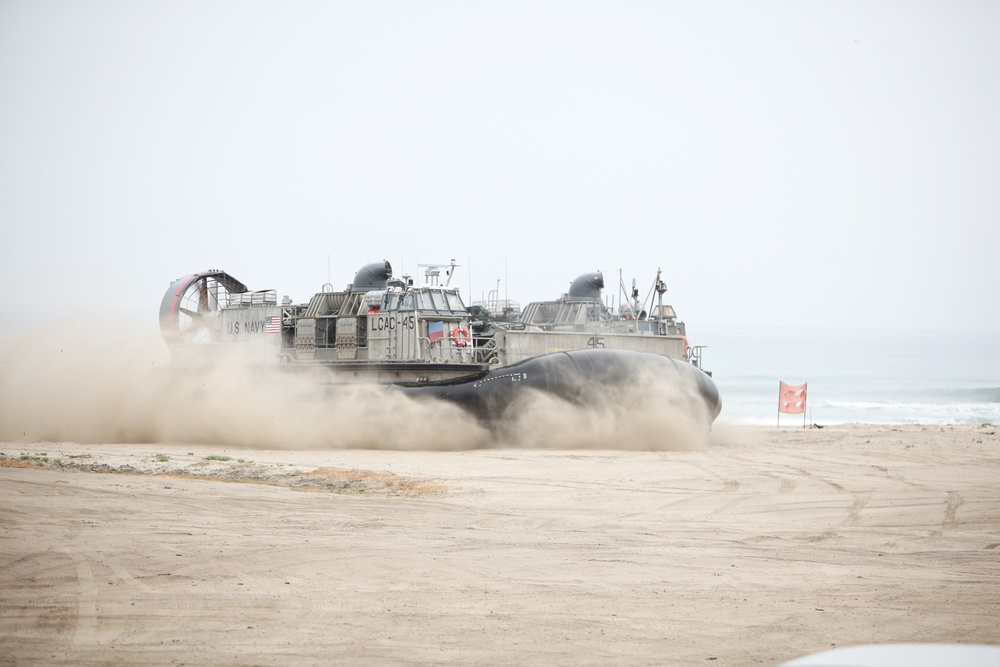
[596,341]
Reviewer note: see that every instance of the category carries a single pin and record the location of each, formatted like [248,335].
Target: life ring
[687,349]
[460,336]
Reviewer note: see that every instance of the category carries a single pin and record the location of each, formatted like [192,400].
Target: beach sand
[766,545]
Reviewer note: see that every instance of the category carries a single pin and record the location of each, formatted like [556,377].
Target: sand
[766,545]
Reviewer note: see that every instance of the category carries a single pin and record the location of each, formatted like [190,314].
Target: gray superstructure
[580,319]
[377,329]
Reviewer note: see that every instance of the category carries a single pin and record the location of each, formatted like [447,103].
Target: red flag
[792,399]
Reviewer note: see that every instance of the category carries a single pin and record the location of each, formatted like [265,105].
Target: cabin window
[454,302]
[426,301]
[436,301]
[433,301]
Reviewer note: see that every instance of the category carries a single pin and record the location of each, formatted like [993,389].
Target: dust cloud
[650,412]
[121,387]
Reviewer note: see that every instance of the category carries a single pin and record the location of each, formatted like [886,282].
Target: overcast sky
[813,163]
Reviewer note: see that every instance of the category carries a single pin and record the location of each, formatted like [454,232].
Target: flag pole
[778,424]
[805,397]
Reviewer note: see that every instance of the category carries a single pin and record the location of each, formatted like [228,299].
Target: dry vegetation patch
[365,481]
[352,482]
[7,462]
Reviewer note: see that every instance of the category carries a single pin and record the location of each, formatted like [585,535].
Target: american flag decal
[273,325]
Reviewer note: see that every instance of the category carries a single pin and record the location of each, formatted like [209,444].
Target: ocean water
[854,376]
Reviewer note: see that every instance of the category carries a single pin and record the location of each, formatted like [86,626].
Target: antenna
[432,272]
